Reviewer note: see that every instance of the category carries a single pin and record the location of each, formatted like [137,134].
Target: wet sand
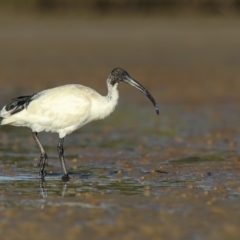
[134,175]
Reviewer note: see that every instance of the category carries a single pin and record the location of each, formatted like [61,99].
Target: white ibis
[64,109]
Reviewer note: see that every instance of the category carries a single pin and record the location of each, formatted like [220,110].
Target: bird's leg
[62,160]
[43,157]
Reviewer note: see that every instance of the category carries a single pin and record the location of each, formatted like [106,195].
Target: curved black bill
[137,85]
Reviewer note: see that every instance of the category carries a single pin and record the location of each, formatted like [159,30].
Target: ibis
[65,109]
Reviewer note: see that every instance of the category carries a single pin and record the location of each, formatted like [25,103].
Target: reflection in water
[43,189]
[89,183]
[64,188]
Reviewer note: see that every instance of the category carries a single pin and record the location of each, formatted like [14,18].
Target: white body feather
[63,109]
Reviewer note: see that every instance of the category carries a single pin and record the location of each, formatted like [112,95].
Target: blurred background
[141,6]
[180,50]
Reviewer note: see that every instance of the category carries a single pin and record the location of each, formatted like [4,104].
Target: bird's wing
[60,107]
[17,105]
[54,108]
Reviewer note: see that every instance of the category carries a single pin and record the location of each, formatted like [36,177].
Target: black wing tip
[1,118]
[18,104]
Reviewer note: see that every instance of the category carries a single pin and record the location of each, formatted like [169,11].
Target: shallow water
[148,180]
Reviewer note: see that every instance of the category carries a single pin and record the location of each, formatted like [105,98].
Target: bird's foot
[42,173]
[42,164]
[43,160]
[65,177]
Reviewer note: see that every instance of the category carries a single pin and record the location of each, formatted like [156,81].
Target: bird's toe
[65,177]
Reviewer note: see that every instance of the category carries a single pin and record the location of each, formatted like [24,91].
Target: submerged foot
[43,160]
[42,164]
[65,177]
[42,173]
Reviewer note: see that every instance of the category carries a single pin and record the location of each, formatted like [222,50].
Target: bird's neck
[112,95]
[102,106]
[110,101]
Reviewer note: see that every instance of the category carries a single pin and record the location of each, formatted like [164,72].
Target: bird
[64,109]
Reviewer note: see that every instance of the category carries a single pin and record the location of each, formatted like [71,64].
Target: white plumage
[64,109]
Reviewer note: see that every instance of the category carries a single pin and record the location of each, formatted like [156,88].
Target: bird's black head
[119,75]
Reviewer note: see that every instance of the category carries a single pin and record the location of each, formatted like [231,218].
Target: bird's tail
[6,117]
[17,105]
[4,114]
